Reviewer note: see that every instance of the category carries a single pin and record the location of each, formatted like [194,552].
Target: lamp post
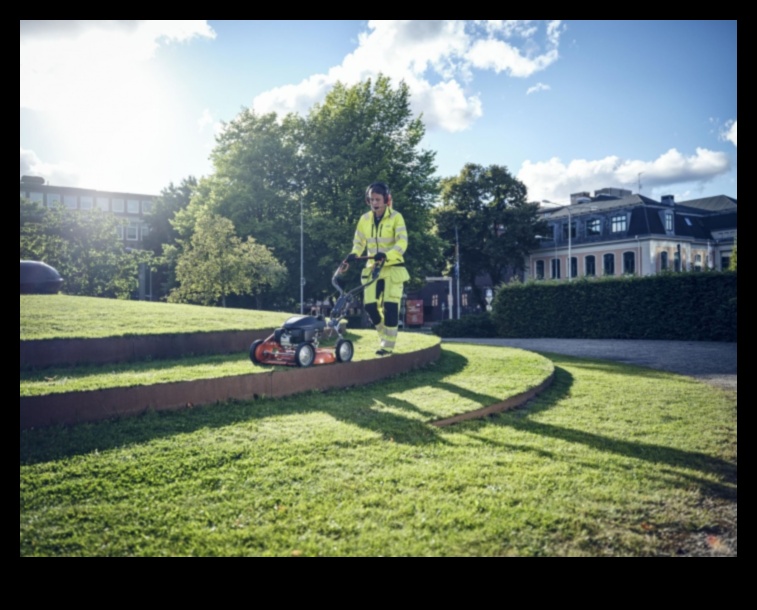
[302,260]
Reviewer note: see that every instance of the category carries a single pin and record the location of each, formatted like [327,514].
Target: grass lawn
[613,460]
[61,316]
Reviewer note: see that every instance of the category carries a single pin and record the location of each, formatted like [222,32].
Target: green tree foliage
[162,238]
[359,135]
[269,169]
[171,200]
[496,226]
[256,184]
[732,262]
[216,263]
[83,246]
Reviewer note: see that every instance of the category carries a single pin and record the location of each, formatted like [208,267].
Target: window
[464,299]
[539,270]
[725,262]
[677,259]
[591,265]
[102,203]
[38,197]
[69,201]
[663,261]
[118,205]
[555,268]
[618,224]
[146,207]
[86,202]
[53,198]
[594,227]
[697,262]
[608,264]
[144,229]
[629,263]
[668,222]
[572,230]
[434,300]
[573,266]
[132,230]
[132,206]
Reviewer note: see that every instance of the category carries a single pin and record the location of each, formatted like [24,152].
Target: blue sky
[566,106]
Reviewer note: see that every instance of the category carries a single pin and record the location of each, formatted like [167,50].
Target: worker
[382,235]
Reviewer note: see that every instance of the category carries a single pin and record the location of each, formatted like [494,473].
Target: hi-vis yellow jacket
[388,236]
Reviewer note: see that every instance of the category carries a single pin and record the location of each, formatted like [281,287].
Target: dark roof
[718,203]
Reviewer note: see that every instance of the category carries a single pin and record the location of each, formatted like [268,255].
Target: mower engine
[299,329]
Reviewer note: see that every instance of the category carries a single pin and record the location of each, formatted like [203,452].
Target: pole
[570,236]
[457,271]
[302,263]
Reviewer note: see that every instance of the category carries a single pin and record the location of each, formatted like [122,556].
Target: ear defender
[382,189]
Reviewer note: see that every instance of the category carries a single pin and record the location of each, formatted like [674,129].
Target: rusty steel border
[93,405]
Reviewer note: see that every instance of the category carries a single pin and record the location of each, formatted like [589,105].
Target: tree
[359,135]
[171,200]
[255,184]
[268,169]
[83,246]
[496,226]
[732,262]
[162,237]
[216,263]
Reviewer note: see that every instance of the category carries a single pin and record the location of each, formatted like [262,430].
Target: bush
[479,326]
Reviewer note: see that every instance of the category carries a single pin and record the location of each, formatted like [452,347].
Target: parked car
[39,278]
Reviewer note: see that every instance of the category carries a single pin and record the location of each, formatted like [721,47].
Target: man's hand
[351,258]
[380,258]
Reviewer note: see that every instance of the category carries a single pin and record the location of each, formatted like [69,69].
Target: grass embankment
[38,382]
[68,317]
[612,460]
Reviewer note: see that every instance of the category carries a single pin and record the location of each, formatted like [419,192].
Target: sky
[566,106]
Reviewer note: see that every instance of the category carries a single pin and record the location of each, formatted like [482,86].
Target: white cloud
[436,59]
[555,180]
[729,132]
[32,165]
[538,87]
[94,82]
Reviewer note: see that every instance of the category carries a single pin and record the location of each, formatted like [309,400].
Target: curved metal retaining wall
[63,352]
[78,407]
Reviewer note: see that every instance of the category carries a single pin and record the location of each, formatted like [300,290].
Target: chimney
[668,200]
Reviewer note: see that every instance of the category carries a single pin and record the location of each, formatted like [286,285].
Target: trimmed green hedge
[676,306]
[694,306]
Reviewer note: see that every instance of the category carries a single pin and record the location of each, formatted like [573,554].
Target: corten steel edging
[62,352]
[511,403]
[79,407]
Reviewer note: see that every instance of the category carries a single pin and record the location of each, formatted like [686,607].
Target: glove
[351,258]
[380,258]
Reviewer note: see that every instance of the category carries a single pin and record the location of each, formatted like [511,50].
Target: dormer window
[619,224]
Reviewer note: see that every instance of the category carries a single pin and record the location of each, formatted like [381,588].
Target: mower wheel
[344,350]
[304,355]
[253,349]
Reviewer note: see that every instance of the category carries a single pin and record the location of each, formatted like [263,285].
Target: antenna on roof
[638,177]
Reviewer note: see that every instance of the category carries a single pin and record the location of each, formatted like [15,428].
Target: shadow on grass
[659,454]
[374,407]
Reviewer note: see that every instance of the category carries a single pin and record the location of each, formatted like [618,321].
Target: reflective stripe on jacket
[389,236]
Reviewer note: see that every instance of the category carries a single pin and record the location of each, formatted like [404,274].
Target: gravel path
[710,361]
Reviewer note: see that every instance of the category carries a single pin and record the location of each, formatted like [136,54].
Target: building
[616,232]
[131,207]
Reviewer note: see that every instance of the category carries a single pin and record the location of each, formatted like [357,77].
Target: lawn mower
[296,343]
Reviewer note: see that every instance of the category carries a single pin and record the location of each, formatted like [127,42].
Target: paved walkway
[709,361]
